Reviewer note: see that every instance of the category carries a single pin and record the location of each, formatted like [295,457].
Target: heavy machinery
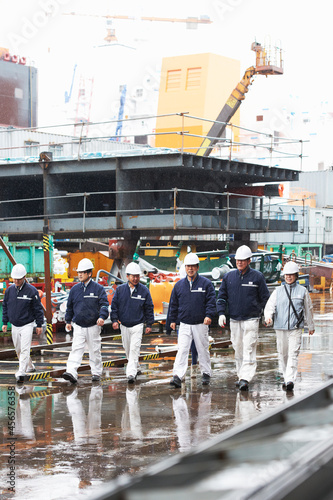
[263,66]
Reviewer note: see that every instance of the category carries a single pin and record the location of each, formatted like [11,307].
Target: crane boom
[188,20]
[227,112]
[263,66]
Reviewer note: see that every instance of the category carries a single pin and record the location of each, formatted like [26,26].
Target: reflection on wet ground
[70,439]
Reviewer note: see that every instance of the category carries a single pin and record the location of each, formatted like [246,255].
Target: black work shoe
[95,378]
[20,379]
[130,379]
[205,379]
[237,383]
[243,385]
[69,376]
[175,381]
[290,386]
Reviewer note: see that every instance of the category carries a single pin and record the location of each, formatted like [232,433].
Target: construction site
[150,189]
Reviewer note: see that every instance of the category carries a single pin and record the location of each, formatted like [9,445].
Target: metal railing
[174,201]
[77,141]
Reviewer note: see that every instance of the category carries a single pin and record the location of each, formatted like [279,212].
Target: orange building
[300,196]
[199,84]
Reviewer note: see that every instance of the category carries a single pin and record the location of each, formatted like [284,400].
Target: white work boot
[194,371]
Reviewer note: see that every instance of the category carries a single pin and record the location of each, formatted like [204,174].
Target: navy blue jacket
[86,304]
[133,309]
[191,305]
[244,294]
[23,307]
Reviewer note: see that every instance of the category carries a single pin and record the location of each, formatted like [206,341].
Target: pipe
[266,190]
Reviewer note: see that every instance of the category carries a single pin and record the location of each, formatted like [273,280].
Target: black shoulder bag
[299,318]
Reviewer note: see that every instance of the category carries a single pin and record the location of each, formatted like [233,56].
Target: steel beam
[97,196]
[146,224]
[249,172]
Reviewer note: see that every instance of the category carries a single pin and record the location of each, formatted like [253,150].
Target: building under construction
[18,83]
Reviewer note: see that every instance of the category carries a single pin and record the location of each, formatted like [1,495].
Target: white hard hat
[85,265]
[191,259]
[133,268]
[18,272]
[243,253]
[290,268]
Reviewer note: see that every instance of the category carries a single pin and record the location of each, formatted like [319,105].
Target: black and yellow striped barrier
[46,243]
[49,333]
[146,357]
[114,337]
[39,376]
[40,394]
[115,362]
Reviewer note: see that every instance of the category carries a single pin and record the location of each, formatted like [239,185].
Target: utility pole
[45,158]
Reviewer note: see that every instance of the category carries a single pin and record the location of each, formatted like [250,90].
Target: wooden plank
[147,356]
[120,362]
[11,353]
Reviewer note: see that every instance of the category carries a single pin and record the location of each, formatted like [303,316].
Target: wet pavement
[67,440]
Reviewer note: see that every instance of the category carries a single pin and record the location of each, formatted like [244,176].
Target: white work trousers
[131,426]
[244,338]
[81,336]
[86,429]
[288,347]
[23,420]
[132,338]
[22,337]
[187,333]
[191,435]
[183,423]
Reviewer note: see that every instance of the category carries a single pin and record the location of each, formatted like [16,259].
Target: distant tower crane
[265,65]
[68,95]
[121,112]
[83,104]
[191,22]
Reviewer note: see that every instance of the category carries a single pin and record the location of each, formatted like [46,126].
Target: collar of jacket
[292,285]
[247,271]
[195,279]
[84,285]
[135,288]
[19,289]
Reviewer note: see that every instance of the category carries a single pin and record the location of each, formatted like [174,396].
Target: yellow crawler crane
[263,66]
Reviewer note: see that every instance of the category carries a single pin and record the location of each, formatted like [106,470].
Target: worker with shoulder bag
[290,308]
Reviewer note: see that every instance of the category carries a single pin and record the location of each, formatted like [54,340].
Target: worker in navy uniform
[194,353]
[87,308]
[22,308]
[244,292]
[131,308]
[192,302]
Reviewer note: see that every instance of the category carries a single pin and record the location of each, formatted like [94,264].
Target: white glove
[268,321]
[222,320]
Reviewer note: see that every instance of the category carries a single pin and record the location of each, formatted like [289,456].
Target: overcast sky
[38,30]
